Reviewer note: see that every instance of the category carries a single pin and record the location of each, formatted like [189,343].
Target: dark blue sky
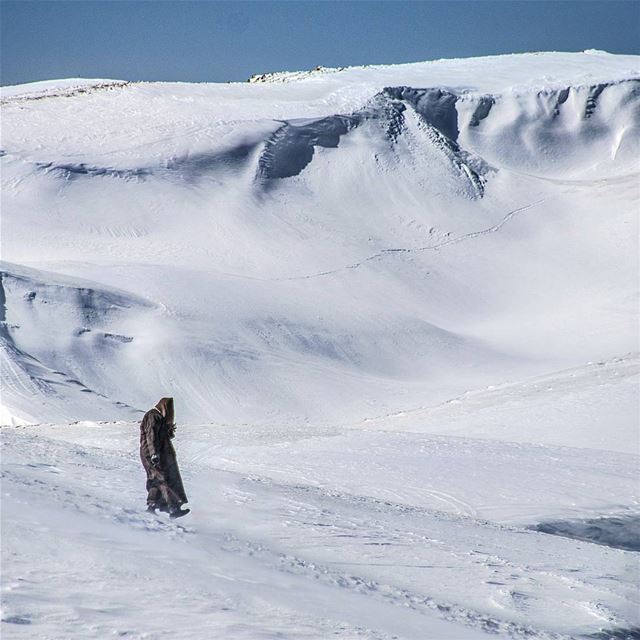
[219,41]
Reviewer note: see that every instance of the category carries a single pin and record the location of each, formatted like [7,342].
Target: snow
[311,532]
[55,89]
[397,309]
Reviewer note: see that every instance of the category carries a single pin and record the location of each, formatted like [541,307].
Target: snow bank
[441,256]
[328,249]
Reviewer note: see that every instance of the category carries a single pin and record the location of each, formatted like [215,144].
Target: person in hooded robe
[164,483]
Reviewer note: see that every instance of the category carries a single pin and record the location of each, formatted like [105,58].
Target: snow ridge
[397,309]
[301,186]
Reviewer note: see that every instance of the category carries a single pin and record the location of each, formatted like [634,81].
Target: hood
[165,407]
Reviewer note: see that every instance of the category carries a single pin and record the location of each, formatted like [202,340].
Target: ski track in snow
[405,250]
[392,251]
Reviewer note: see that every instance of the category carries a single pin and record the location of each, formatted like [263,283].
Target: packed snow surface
[397,307]
[317,532]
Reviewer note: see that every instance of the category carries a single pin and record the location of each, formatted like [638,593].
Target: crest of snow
[384,237]
[397,309]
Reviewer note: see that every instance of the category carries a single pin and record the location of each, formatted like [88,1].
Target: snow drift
[397,306]
[333,247]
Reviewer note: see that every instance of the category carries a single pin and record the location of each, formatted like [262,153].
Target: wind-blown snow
[330,238]
[401,303]
[311,532]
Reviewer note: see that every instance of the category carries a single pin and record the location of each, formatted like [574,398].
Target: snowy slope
[341,246]
[310,532]
[397,307]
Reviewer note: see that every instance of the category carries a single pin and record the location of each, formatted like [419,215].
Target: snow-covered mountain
[334,247]
[397,308]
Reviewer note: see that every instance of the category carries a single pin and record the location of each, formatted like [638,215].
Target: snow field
[310,532]
[397,308]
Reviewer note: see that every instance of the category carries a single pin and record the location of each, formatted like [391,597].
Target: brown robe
[164,483]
